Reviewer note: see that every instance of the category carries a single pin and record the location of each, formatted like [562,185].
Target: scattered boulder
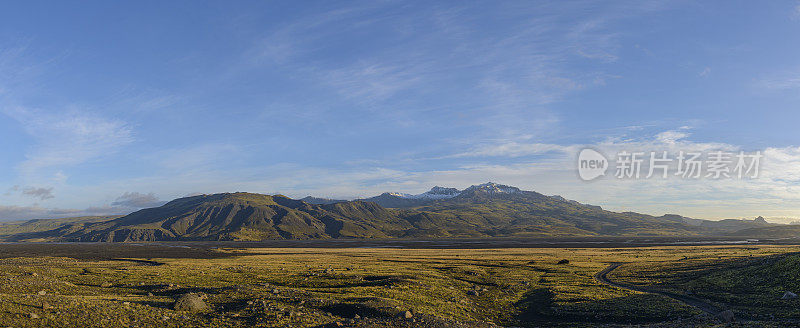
[408,315]
[788,296]
[34,316]
[42,293]
[563,261]
[191,302]
[726,316]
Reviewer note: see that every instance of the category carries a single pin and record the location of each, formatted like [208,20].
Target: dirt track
[602,277]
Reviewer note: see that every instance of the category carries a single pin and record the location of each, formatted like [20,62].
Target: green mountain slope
[241,216]
[10,231]
[525,213]
[487,210]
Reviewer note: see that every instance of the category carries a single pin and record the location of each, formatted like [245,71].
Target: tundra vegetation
[186,285]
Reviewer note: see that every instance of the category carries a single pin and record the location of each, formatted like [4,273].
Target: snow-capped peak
[493,188]
[439,193]
[444,193]
[435,193]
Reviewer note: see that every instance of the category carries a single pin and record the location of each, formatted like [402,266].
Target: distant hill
[22,228]
[777,231]
[399,200]
[480,211]
[320,201]
[499,210]
[242,216]
[732,225]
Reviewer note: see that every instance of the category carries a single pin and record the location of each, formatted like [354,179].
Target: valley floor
[135,285]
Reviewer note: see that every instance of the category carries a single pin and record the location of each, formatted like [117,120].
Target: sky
[108,107]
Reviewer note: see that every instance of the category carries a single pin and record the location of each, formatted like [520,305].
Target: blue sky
[106,107]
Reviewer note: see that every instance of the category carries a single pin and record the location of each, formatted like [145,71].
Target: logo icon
[591,164]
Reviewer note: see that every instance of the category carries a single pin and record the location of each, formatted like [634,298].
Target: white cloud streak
[10,213]
[514,73]
[67,138]
[795,14]
[776,193]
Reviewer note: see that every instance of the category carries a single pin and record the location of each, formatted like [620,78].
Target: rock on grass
[191,302]
[726,316]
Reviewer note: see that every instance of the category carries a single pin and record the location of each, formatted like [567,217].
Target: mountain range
[480,211]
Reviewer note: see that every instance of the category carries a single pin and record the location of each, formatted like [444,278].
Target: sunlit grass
[308,287]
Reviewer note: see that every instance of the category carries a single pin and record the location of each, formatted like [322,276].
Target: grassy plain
[135,286]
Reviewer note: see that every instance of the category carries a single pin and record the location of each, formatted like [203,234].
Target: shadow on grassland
[106,251]
[537,308]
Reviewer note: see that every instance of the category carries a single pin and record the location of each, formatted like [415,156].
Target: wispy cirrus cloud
[781,83]
[67,138]
[505,75]
[775,193]
[786,80]
[370,82]
[13,69]
[513,149]
[432,93]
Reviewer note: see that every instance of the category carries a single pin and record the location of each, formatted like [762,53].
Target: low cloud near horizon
[546,168]
[124,204]
[431,94]
[137,200]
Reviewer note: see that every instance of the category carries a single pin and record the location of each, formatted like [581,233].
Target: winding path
[602,277]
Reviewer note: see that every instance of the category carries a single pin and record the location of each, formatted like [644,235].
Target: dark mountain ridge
[480,211]
[321,200]
[242,216]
